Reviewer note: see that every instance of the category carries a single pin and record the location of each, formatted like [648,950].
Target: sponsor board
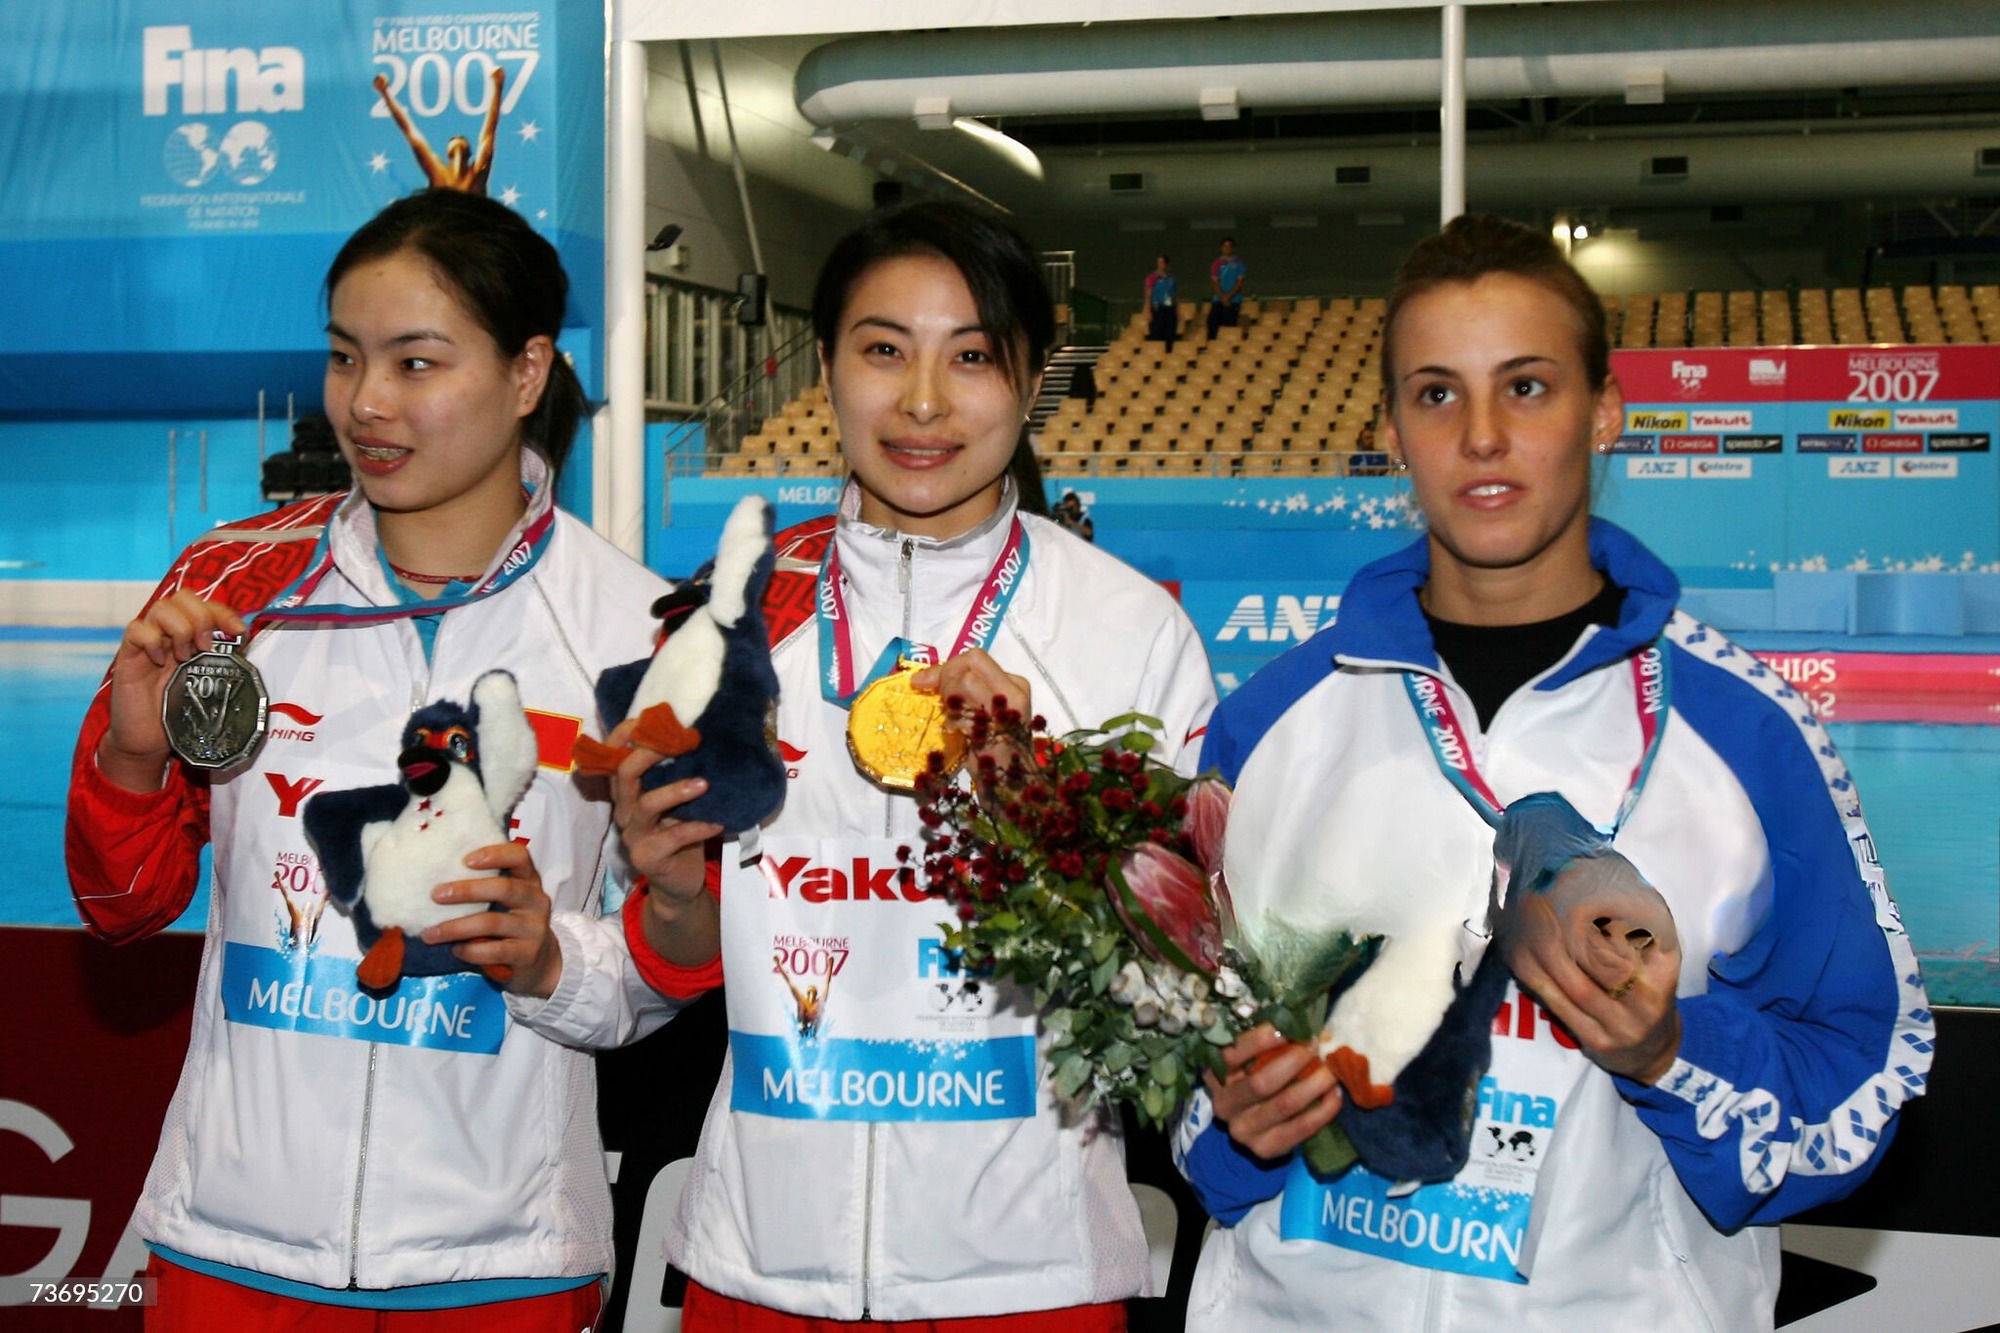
[1690,444]
[1841,443]
[1646,419]
[1858,418]
[1737,418]
[1633,444]
[1892,444]
[1720,468]
[1926,467]
[1844,469]
[1967,443]
[1753,444]
[1656,467]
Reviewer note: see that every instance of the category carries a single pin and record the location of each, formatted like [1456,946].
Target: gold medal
[892,731]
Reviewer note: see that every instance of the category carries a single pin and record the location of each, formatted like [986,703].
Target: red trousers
[705,1311]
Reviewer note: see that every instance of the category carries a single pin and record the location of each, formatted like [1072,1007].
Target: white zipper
[361,1174]
[867,1222]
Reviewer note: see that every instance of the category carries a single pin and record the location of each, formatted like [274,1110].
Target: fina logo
[266,81]
[1690,375]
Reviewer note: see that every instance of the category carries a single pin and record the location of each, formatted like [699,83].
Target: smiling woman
[449,559]
[1009,1208]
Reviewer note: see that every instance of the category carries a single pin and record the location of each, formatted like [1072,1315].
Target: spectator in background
[1163,309]
[1226,276]
[1070,513]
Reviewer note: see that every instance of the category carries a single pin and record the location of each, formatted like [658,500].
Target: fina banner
[1769,459]
[184,170]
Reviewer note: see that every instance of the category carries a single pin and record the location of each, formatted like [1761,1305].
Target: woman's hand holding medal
[682,920]
[133,754]
[976,678]
[1633,1029]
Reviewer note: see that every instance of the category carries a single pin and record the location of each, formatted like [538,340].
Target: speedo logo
[856,879]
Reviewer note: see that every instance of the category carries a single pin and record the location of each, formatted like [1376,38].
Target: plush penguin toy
[707,700]
[1555,875]
[464,767]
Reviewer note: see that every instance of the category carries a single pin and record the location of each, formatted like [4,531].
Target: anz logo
[1287,618]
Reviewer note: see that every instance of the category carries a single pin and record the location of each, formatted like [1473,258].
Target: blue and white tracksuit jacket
[1804,1021]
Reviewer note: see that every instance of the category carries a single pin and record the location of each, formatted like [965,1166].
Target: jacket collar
[1381,624]
[356,549]
[869,553]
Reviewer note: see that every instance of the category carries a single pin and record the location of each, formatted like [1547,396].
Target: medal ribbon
[837,682]
[290,605]
[1452,747]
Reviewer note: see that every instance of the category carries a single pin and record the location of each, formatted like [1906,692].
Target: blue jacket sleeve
[1792,1065]
[1228,1178]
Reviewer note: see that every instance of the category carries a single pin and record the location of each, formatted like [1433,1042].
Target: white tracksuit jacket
[1804,1020]
[307,1139]
[905,1219]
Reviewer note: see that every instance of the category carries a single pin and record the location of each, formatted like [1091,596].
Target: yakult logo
[1736,419]
[272,79]
[856,880]
[1926,418]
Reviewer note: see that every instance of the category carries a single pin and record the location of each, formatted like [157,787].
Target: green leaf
[1155,1102]
[1100,979]
[1167,1071]
[1072,1074]
[1139,742]
[1102,947]
[1221,1034]
[1118,1056]
[1007,921]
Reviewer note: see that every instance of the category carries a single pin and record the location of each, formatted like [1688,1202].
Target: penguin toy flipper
[508,752]
[616,688]
[333,823]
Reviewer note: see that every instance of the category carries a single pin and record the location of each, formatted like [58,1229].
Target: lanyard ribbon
[290,605]
[837,682]
[1452,747]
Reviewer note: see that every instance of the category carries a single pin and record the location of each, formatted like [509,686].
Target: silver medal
[216,709]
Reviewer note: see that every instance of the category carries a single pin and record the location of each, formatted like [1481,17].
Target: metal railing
[745,404]
[1059,466]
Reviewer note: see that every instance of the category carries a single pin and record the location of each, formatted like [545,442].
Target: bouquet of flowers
[1090,873]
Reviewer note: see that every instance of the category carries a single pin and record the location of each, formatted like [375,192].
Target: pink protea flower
[1163,899]
[1207,815]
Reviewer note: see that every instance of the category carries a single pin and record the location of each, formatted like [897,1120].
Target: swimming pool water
[1931,794]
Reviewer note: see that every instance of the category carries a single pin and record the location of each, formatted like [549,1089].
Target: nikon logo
[1848,418]
[1656,421]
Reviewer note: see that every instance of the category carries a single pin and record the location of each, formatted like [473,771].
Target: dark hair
[1031,494]
[506,275]
[998,266]
[1476,244]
